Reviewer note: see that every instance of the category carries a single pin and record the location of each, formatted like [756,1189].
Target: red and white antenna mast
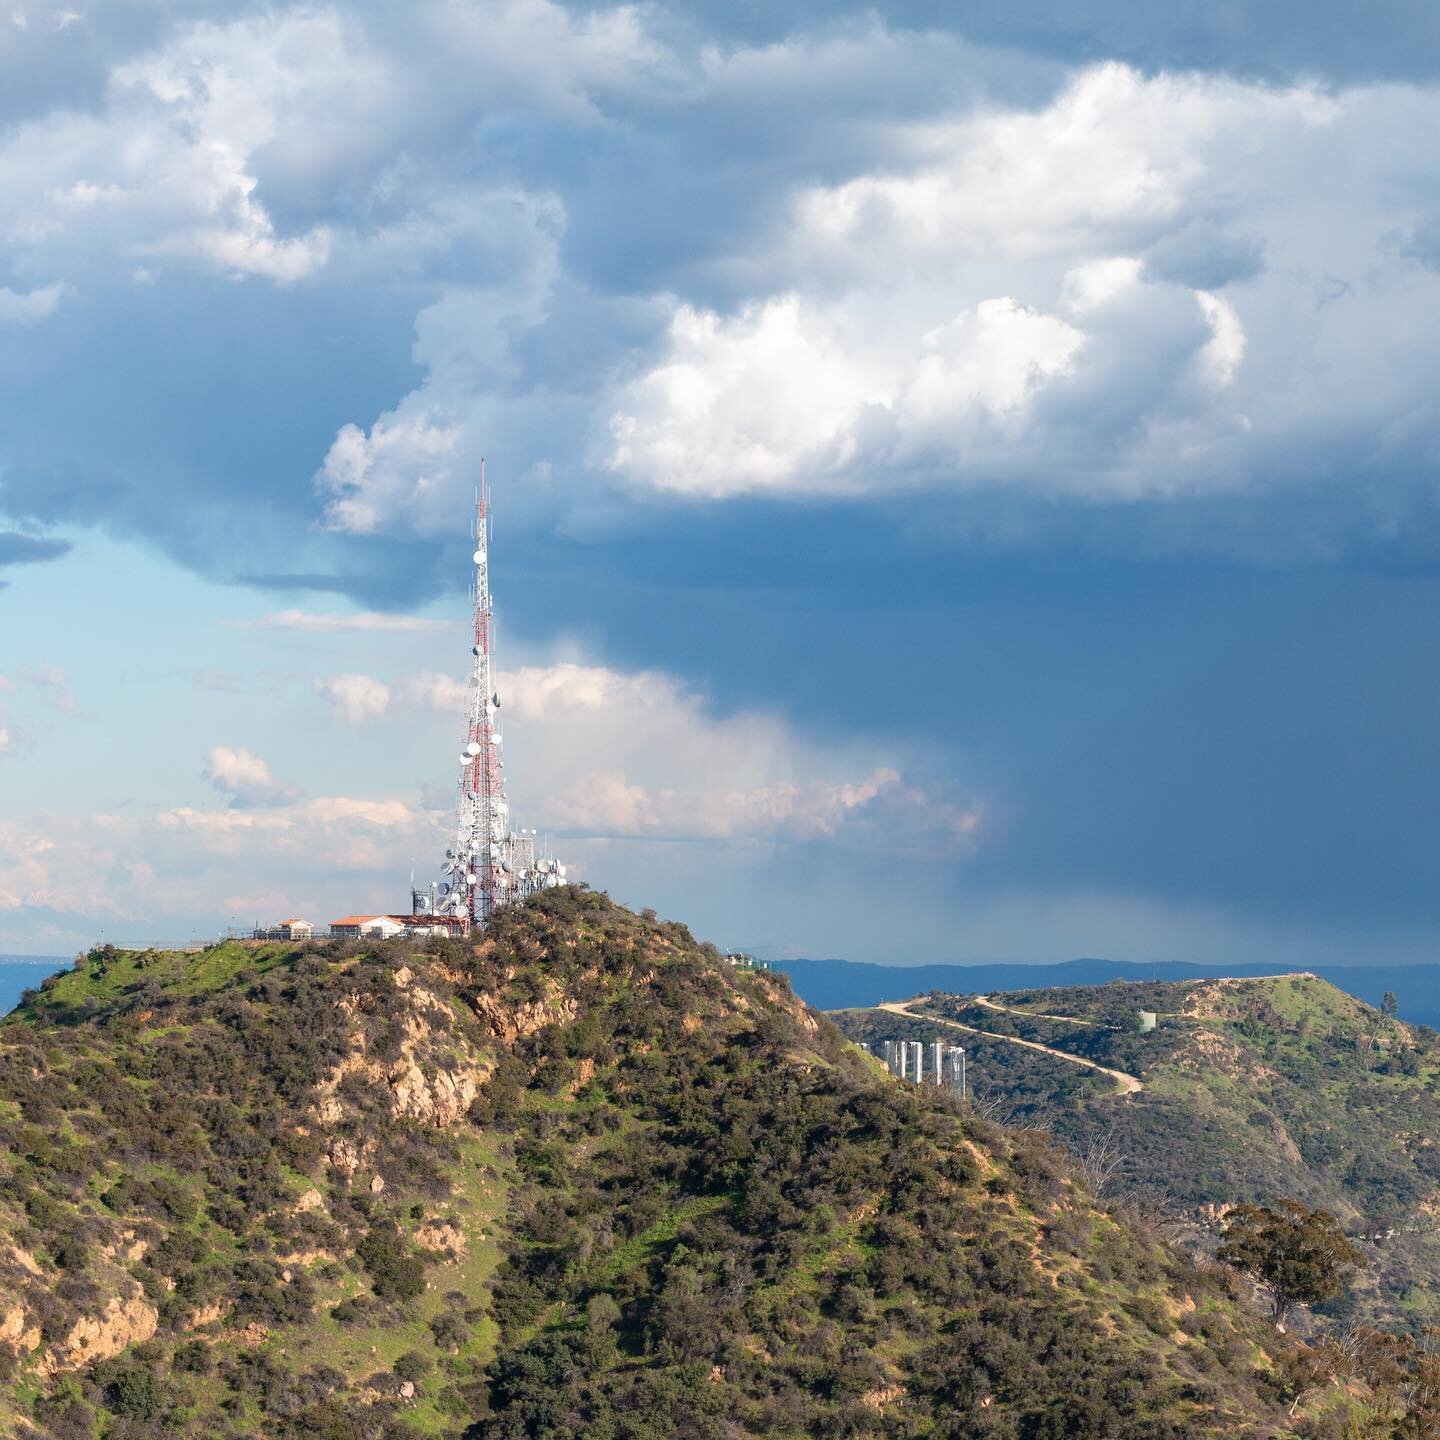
[481,827]
[489,864]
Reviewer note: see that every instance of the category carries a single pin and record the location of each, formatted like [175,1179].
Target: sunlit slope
[582,1178]
[1253,1089]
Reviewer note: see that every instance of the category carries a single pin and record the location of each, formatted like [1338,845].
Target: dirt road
[1124,1084]
[990,1004]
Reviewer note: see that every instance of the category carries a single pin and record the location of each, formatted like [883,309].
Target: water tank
[1148,1021]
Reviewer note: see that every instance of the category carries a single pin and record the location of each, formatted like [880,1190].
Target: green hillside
[581,1179]
[1253,1089]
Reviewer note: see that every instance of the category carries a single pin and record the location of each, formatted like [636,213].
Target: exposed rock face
[442,1235]
[441,1099]
[433,1094]
[345,1155]
[508,1022]
[16,1331]
[123,1322]
[206,1315]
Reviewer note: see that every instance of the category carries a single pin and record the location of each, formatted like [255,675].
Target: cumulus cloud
[244,778]
[1113,295]
[605,752]
[355,698]
[414,463]
[316,107]
[28,306]
[435,690]
[923,316]
[144,871]
[165,167]
[25,877]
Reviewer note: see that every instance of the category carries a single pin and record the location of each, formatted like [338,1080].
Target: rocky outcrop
[427,1080]
[17,1330]
[440,1099]
[508,1022]
[122,1322]
[443,1236]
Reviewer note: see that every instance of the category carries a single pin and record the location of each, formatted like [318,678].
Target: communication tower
[489,865]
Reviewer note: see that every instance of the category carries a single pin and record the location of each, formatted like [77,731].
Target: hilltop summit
[582,1177]
[1249,1090]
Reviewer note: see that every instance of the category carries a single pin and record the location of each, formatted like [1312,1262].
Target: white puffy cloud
[244,778]
[435,690]
[794,396]
[272,144]
[167,167]
[410,468]
[26,307]
[355,698]
[603,752]
[1147,287]
[25,877]
[174,867]
[1114,160]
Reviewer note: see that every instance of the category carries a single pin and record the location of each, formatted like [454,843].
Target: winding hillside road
[990,1004]
[1124,1084]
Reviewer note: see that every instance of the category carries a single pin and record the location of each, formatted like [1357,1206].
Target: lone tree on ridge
[1299,1256]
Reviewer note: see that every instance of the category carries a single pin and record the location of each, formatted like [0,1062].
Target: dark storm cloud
[1394,39]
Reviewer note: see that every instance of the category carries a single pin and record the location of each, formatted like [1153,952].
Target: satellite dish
[472,748]
[495,699]
[449,854]
[471,878]
[444,889]
[478,556]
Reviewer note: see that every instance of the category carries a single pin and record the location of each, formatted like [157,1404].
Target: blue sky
[966,482]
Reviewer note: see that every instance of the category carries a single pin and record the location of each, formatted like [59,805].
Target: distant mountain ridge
[840,984]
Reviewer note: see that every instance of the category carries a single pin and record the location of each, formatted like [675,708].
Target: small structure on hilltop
[372,927]
[292,929]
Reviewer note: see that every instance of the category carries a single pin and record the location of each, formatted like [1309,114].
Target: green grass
[478,1204]
[103,980]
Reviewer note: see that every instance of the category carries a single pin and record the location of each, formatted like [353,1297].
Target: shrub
[395,1269]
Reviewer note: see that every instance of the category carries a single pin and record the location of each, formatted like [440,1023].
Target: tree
[1298,1256]
[1389,1005]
